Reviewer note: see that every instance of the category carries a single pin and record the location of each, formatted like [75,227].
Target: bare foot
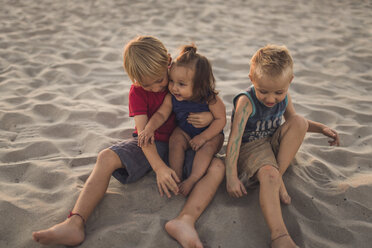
[283,241]
[70,232]
[186,186]
[182,229]
[283,194]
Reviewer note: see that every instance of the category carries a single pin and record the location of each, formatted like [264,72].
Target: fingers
[195,147]
[170,185]
[334,135]
[334,142]
[236,190]
[175,177]
[182,189]
[144,139]
[242,188]
[165,189]
[236,193]
[173,186]
[193,116]
[140,140]
[336,139]
[192,144]
[160,189]
[194,120]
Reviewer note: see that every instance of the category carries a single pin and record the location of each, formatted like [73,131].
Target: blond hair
[145,56]
[271,61]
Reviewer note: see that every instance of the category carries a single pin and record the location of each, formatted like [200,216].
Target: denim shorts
[135,164]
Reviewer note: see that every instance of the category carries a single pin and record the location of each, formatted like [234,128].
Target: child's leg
[270,181]
[291,136]
[201,162]
[182,228]
[71,231]
[178,144]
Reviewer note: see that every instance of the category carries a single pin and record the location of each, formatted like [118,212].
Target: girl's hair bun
[189,48]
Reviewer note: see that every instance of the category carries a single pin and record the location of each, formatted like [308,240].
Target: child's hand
[197,142]
[167,180]
[235,187]
[200,120]
[332,134]
[145,137]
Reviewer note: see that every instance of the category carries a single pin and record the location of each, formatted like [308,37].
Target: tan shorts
[256,154]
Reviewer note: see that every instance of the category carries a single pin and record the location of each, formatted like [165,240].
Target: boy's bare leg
[182,228]
[291,137]
[178,144]
[71,231]
[201,162]
[269,178]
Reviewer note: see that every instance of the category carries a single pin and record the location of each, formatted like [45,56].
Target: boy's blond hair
[145,56]
[271,61]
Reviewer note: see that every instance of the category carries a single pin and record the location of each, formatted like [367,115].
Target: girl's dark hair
[204,82]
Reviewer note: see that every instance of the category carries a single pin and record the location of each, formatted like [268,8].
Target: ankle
[275,234]
[76,220]
[193,178]
[187,218]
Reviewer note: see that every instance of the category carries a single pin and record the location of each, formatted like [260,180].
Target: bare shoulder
[217,107]
[217,102]
[243,103]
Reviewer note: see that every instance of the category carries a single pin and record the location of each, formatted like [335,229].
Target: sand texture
[64,98]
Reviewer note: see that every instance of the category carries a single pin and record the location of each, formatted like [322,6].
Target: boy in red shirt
[146,61]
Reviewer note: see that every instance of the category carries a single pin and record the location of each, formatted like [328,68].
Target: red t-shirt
[142,102]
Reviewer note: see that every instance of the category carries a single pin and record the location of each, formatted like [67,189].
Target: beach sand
[64,98]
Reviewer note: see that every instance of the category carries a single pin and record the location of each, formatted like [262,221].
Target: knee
[109,159]
[269,175]
[177,139]
[208,147]
[217,167]
[300,123]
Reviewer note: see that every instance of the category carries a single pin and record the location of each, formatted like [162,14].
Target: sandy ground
[64,94]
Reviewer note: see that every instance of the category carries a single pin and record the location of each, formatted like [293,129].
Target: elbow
[221,122]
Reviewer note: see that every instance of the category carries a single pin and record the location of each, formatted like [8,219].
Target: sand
[64,94]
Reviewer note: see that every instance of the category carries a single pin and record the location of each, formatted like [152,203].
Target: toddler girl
[192,89]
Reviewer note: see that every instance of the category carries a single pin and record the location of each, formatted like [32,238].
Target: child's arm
[218,111]
[166,178]
[314,127]
[243,110]
[317,127]
[159,118]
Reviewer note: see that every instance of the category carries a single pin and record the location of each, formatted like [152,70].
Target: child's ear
[291,79]
[169,60]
